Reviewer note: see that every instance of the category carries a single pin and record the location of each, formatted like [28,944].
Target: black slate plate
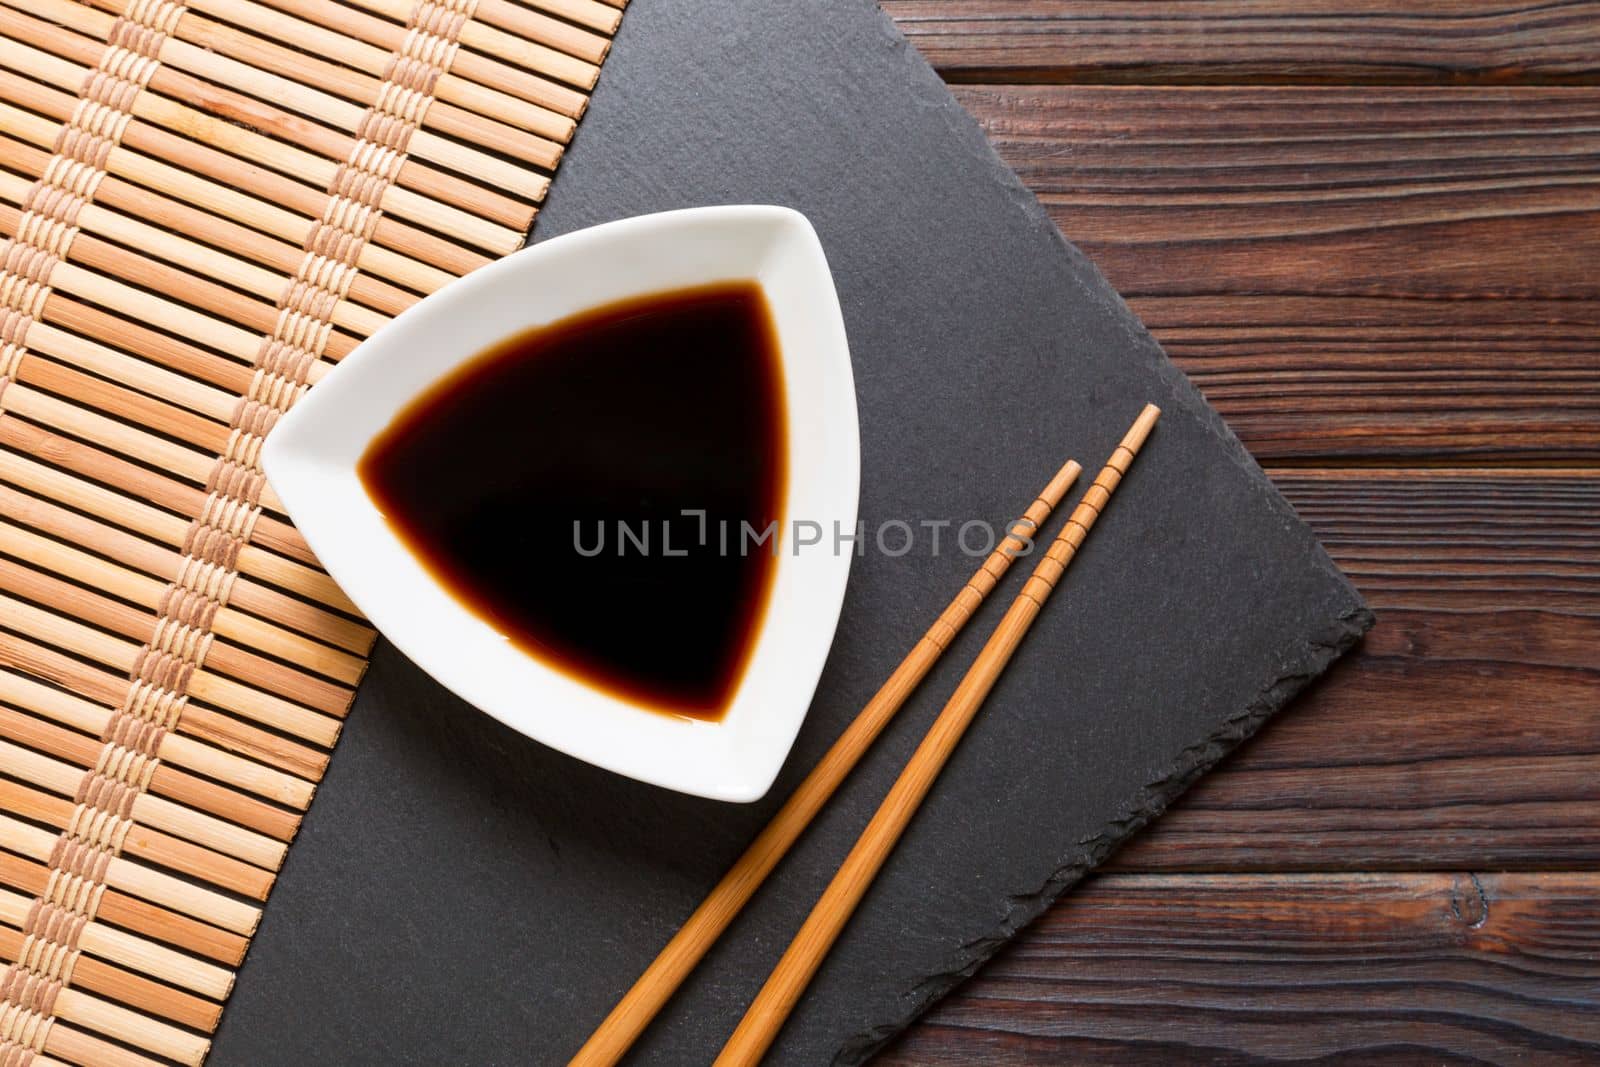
[461,893]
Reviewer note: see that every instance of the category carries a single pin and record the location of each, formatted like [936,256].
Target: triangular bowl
[311,459]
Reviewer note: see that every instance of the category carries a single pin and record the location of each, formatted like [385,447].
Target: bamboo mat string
[274,179]
[33,983]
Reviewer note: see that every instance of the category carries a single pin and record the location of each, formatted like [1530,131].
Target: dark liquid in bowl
[544,484]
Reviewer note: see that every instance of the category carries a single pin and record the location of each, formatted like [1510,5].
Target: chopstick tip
[1061,483]
[1141,428]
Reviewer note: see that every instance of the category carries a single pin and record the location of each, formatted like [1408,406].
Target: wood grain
[1176,41]
[1348,274]
[1329,968]
[1464,731]
[1362,280]
[1234,177]
[1316,379]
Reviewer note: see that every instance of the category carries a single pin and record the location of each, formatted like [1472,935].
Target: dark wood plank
[1348,274]
[1371,378]
[1353,276]
[1371,969]
[1466,731]
[1188,41]
[1418,193]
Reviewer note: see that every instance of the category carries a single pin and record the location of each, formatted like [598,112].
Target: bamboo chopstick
[789,979]
[653,988]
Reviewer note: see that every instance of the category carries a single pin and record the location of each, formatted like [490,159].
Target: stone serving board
[460,893]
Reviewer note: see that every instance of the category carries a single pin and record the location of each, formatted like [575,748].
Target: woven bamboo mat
[206,207]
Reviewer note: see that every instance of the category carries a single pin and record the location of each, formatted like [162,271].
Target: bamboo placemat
[206,206]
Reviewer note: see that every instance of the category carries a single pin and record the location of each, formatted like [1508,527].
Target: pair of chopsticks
[833,910]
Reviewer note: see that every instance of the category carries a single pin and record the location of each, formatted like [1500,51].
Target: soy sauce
[523,483]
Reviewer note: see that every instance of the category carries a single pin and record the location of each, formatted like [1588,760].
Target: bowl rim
[735,759]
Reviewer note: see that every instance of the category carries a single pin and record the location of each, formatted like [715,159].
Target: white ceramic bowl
[312,455]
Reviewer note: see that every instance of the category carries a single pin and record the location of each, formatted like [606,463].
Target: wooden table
[1370,232]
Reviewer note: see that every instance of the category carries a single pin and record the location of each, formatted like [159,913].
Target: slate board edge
[1305,659]
[922,78]
[1304,664]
